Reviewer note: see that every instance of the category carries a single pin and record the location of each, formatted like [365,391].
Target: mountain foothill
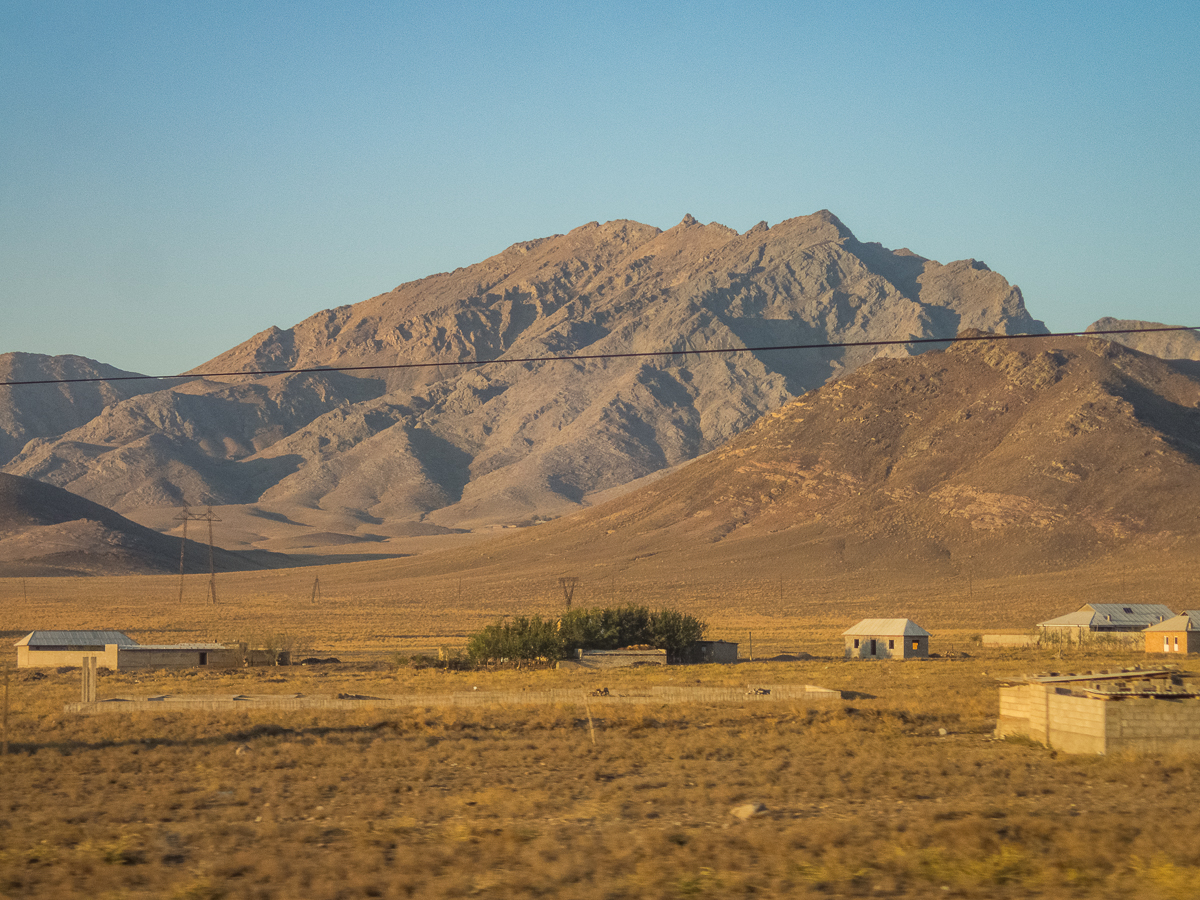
[433,409]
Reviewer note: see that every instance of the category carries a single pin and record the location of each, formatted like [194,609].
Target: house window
[891,644]
[1166,644]
[856,643]
[204,659]
[1176,643]
[916,645]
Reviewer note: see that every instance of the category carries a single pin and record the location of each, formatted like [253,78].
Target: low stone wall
[652,695]
[614,659]
[1009,640]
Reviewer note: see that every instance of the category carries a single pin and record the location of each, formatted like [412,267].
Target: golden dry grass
[369,609]
[864,797]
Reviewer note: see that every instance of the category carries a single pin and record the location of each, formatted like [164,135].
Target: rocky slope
[1004,458]
[398,451]
[51,410]
[1167,344]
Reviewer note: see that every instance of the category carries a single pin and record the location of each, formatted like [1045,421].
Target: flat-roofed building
[886,639]
[1179,634]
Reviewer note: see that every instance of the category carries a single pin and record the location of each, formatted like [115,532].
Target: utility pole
[188,516]
[567,583]
[212,563]
[4,728]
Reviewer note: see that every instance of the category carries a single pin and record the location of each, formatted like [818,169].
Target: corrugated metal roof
[887,627]
[75,639]
[1134,616]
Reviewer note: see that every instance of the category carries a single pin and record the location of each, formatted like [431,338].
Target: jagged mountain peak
[467,446]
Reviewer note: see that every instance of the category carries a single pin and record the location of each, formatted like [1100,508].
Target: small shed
[1179,634]
[714,652]
[886,639]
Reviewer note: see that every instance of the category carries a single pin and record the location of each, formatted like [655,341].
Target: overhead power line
[581,357]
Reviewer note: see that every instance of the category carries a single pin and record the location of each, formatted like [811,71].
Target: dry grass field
[369,610]
[863,797]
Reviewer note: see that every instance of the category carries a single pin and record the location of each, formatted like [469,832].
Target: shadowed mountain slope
[1168,344]
[45,530]
[995,458]
[466,446]
[50,410]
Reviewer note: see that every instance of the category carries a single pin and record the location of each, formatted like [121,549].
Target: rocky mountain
[50,410]
[1167,344]
[1007,458]
[459,445]
[45,530]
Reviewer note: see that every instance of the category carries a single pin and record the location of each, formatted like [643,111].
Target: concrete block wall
[1041,713]
[1051,715]
[1020,714]
[1150,724]
[1076,724]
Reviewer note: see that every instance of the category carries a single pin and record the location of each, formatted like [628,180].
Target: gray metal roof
[888,628]
[75,639]
[1132,616]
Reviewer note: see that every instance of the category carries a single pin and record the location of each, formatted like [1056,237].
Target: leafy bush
[605,628]
[521,639]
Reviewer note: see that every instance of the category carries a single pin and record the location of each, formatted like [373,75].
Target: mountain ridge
[463,447]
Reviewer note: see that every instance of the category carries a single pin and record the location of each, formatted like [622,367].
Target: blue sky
[175,177]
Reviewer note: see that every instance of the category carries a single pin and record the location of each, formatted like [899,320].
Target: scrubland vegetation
[863,797]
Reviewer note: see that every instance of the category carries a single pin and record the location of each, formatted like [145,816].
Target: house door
[872,647]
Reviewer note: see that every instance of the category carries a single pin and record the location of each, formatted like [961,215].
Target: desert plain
[897,790]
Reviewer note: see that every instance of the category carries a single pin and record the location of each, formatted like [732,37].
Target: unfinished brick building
[1103,712]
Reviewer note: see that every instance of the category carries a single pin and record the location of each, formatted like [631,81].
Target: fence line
[660,695]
